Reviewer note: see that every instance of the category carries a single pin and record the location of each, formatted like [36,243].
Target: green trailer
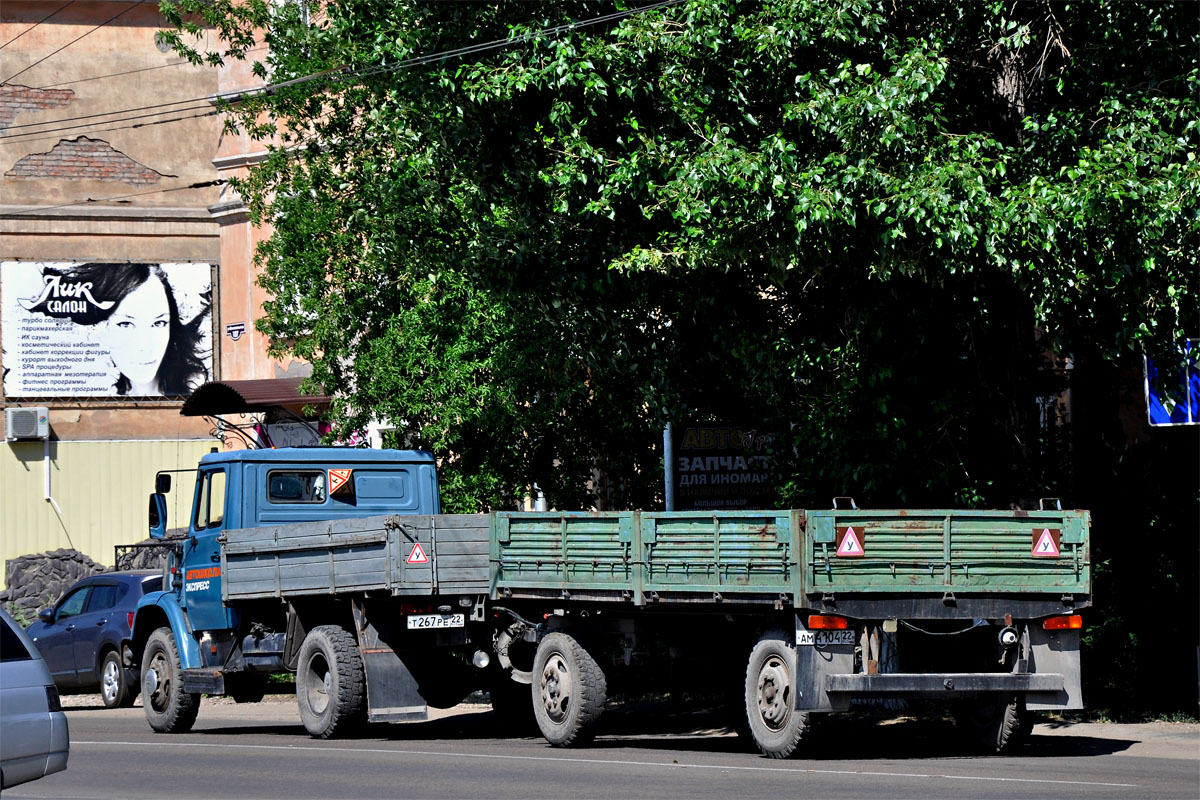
[806,611]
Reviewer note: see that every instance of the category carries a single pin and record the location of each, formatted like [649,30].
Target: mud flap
[1055,652]
[813,663]
[392,692]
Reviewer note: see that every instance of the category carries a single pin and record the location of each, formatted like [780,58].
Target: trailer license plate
[824,638]
[421,621]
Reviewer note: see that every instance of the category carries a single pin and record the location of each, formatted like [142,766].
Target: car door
[90,629]
[57,642]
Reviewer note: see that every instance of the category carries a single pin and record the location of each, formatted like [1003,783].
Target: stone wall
[37,581]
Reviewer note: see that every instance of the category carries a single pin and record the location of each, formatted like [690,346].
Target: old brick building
[106,158]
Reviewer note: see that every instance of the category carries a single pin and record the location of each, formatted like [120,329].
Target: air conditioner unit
[26,423]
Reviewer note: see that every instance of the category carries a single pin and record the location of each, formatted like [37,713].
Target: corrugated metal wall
[100,487]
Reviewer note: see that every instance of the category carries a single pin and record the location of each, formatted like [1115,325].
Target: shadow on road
[856,736]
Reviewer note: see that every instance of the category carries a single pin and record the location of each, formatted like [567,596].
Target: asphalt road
[260,751]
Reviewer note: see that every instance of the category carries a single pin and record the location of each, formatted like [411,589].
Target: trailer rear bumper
[943,684]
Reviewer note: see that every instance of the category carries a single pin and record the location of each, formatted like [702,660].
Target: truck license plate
[422,621]
[824,638]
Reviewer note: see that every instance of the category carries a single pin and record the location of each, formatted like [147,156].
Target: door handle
[71,627]
[215,557]
[101,623]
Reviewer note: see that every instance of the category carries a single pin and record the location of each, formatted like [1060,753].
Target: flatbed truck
[336,565]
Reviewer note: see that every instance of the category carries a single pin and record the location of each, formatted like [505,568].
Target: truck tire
[116,690]
[329,682]
[775,725]
[168,708]
[569,690]
[995,726]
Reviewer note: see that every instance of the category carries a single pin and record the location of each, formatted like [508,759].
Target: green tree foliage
[879,228]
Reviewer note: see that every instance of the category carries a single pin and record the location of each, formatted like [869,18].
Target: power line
[26,136]
[39,22]
[342,74]
[37,137]
[114,17]
[197,185]
[127,72]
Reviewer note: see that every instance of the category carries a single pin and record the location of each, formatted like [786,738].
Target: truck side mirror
[158,516]
[162,483]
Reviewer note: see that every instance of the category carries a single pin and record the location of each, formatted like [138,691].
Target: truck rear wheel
[168,708]
[329,682]
[570,690]
[995,726]
[775,725]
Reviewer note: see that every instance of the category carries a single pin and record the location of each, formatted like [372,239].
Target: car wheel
[115,689]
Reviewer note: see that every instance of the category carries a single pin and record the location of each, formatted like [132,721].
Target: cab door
[202,553]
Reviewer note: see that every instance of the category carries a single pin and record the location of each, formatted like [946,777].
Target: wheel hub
[110,681]
[557,688]
[774,693]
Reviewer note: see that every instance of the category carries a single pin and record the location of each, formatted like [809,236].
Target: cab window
[210,506]
[296,486]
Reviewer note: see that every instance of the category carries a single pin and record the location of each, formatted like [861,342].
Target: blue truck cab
[257,488]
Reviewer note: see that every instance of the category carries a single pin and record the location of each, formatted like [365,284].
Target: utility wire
[26,136]
[39,22]
[113,18]
[128,71]
[342,74]
[36,137]
[197,185]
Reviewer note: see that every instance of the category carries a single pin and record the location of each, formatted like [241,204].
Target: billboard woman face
[137,333]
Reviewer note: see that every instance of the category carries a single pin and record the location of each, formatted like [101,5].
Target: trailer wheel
[775,725]
[570,690]
[168,708]
[995,726]
[329,682]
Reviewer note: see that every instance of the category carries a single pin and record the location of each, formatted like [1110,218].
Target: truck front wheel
[569,690]
[168,708]
[329,682]
[775,725]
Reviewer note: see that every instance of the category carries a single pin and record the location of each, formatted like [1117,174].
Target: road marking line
[576,760]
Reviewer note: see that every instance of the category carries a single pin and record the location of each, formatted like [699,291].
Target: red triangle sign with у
[849,544]
[417,556]
[1046,545]
[339,480]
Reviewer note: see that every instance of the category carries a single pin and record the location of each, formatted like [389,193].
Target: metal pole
[669,465]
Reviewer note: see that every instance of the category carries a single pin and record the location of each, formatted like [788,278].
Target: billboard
[105,329]
[719,466]
[1179,404]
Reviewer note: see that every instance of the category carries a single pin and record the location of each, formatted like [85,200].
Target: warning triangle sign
[1045,544]
[339,480]
[417,556]
[850,543]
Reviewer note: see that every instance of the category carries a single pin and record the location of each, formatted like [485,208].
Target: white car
[34,742]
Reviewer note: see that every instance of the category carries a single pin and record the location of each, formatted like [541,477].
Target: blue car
[84,637]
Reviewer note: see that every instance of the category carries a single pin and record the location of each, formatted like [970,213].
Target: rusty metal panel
[568,552]
[945,550]
[717,553]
